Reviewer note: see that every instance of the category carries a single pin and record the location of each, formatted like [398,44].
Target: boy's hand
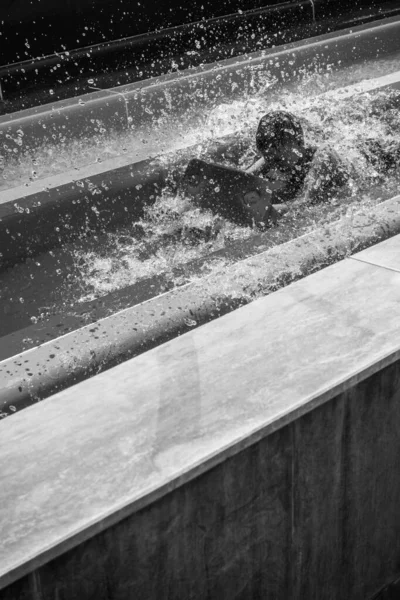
[257,167]
[281,209]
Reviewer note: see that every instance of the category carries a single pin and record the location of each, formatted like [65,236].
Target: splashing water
[170,234]
[173,232]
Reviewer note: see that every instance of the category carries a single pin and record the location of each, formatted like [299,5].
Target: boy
[285,158]
[287,166]
[259,194]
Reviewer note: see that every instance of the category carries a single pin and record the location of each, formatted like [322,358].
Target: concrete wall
[311,511]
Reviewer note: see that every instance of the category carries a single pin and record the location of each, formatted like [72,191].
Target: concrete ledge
[254,453]
[385,255]
[39,372]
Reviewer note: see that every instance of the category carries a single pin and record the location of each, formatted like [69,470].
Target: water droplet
[190,322]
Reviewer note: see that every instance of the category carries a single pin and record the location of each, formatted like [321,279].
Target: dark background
[54,25]
[33,28]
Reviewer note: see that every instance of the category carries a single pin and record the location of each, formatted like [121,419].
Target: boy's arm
[327,174]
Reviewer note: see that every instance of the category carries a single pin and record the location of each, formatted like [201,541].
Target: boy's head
[280,140]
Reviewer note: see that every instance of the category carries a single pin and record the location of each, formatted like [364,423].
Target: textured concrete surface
[386,254]
[309,511]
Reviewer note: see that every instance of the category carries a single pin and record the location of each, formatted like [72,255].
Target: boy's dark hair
[278,127]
